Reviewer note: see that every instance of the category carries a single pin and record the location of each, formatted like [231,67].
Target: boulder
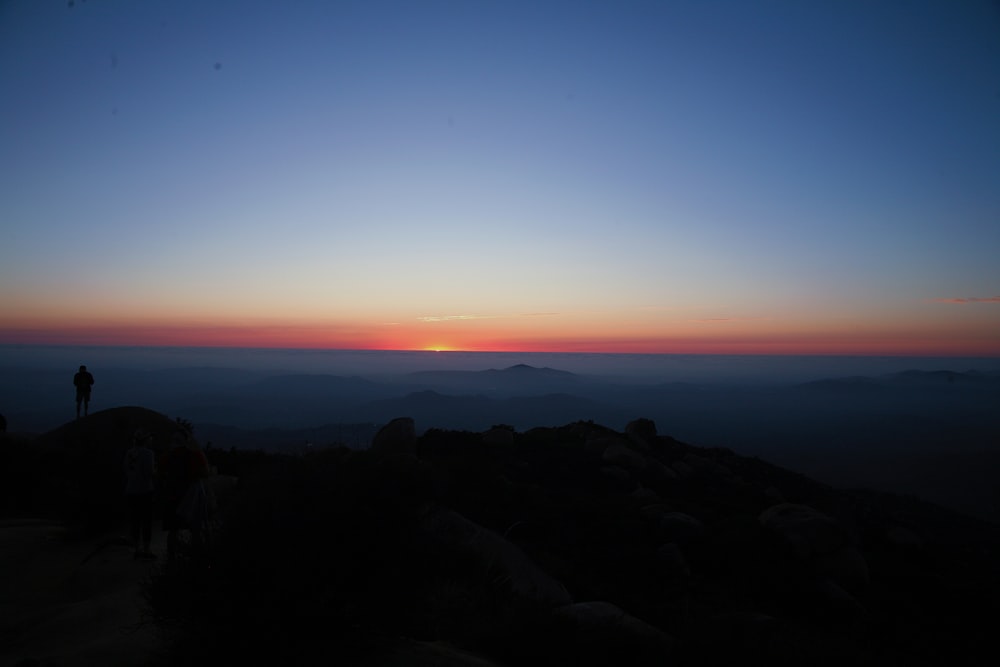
[846,567]
[643,429]
[618,475]
[819,558]
[603,624]
[830,599]
[499,435]
[683,470]
[397,437]
[404,651]
[597,443]
[681,527]
[807,532]
[645,496]
[901,537]
[673,526]
[497,554]
[774,494]
[672,561]
[620,454]
[742,636]
[659,472]
[697,462]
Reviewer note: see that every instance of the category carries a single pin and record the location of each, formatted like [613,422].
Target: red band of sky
[427,338]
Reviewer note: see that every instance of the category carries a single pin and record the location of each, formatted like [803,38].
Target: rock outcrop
[682,555]
[397,437]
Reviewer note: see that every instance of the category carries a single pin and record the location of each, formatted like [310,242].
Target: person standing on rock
[140,476]
[83,381]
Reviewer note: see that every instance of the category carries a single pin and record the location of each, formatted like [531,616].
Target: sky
[730,177]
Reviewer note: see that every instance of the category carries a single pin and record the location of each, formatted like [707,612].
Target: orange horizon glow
[399,338]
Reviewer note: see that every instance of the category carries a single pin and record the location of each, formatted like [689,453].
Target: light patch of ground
[66,601]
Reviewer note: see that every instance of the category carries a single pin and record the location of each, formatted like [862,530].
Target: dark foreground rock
[574,545]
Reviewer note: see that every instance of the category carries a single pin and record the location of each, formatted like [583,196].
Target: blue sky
[634,176]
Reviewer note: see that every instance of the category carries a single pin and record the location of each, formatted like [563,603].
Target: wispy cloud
[731,319]
[452,318]
[460,318]
[970,299]
[681,309]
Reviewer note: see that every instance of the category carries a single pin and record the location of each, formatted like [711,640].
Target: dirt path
[78,602]
[73,601]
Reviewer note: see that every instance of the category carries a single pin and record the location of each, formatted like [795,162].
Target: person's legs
[172,542]
[146,522]
[198,540]
[135,522]
[86,404]
[171,524]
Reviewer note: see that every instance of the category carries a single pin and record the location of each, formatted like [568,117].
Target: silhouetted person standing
[83,381]
[140,475]
[184,496]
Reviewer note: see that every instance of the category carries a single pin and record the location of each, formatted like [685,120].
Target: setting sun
[629,208]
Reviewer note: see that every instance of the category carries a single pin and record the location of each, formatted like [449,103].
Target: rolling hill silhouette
[933,434]
[74,472]
[477,412]
[515,379]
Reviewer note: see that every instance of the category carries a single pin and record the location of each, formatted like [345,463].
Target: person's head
[83,369]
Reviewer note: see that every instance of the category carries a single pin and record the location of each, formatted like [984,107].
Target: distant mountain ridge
[911,378]
[517,379]
[904,432]
[518,369]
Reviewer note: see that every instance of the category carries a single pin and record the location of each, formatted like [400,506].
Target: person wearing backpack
[140,476]
[184,499]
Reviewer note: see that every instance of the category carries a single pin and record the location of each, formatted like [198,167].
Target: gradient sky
[690,176]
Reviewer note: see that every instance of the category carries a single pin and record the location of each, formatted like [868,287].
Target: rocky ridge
[577,544]
[588,545]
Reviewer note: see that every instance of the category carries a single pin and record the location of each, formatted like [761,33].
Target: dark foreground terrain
[571,545]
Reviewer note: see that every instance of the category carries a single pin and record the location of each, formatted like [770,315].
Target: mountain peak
[525,368]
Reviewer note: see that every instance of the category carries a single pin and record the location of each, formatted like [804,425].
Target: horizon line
[447,350]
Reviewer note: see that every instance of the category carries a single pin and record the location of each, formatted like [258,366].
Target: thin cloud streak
[731,319]
[459,318]
[971,299]
[452,318]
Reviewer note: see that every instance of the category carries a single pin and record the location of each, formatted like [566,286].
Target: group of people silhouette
[175,483]
[169,478]
[171,482]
